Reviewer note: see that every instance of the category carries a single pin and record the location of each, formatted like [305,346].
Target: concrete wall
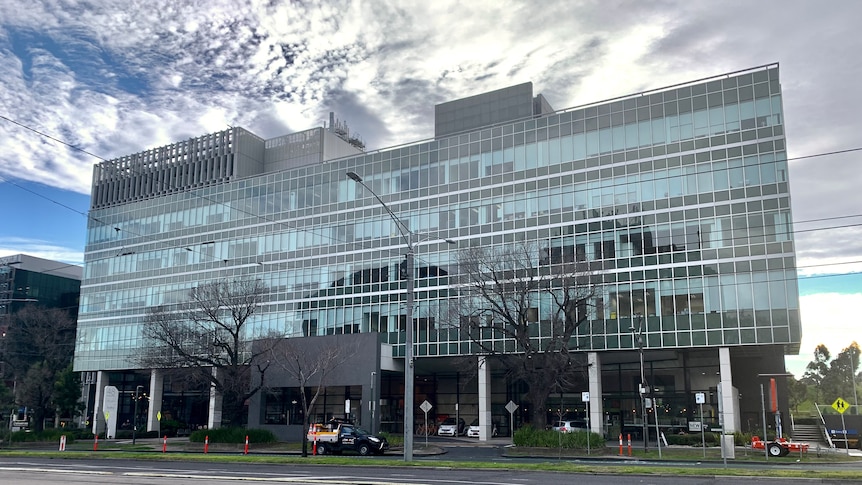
[362,354]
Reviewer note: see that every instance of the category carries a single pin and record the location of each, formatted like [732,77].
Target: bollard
[96,443]
[207,444]
[621,444]
[63,443]
[165,445]
[245,450]
[630,444]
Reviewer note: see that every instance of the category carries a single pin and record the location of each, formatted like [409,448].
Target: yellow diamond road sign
[840,405]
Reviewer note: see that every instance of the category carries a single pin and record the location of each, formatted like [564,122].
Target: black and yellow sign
[840,405]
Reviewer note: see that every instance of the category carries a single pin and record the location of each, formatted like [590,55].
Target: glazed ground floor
[368,388]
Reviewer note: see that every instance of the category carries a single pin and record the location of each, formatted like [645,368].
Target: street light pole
[853,381]
[408,354]
[407,235]
[373,403]
[409,379]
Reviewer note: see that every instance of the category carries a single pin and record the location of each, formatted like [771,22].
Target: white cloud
[40,249]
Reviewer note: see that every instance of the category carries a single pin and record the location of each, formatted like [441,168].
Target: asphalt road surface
[73,472]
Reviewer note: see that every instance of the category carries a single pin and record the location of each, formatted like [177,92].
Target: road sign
[512,407]
[840,405]
[585,396]
[425,406]
[699,398]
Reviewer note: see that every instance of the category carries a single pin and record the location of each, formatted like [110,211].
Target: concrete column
[98,421]
[728,404]
[157,385]
[485,425]
[597,421]
[729,401]
[214,420]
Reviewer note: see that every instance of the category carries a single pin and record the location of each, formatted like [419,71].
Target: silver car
[571,426]
[450,427]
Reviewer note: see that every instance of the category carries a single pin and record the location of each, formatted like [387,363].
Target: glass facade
[678,198]
[27,280]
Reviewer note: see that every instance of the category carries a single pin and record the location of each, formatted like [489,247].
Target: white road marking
[54,470]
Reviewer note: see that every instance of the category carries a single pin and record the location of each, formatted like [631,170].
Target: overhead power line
[327,235]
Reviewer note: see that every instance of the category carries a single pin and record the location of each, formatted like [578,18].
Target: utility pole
[642,386]
[135,416]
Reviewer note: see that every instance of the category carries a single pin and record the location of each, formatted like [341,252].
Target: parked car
[450,427]
[570,426]
[473,429]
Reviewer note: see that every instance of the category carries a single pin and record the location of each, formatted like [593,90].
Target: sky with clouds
[118,77]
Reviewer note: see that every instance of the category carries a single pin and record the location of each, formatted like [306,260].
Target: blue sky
[114,78]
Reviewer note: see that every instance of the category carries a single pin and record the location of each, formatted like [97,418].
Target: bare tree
[39,345]
[310,366]
[211,335]
[36,391]
[524,306]
[38,334]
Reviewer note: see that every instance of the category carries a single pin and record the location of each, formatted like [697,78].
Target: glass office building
[680,195]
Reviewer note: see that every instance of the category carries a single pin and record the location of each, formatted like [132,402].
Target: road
[73,472]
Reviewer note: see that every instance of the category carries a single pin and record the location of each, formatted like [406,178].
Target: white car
[473,430]
[450,427]
[573,426]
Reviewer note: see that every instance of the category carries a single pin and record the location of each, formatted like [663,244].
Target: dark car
[351,438]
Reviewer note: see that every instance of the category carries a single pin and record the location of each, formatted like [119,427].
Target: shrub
[741,439]
[531,437]
[49,435]
[692,439]
[393,439]
[169,427]
[233,435]
[80,434]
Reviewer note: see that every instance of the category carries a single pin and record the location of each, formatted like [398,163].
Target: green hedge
[49,435]
[692,439]
[531,437]
[233,435]
[393,439]
[741,439]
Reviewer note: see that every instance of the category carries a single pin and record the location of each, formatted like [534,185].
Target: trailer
[779,447]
